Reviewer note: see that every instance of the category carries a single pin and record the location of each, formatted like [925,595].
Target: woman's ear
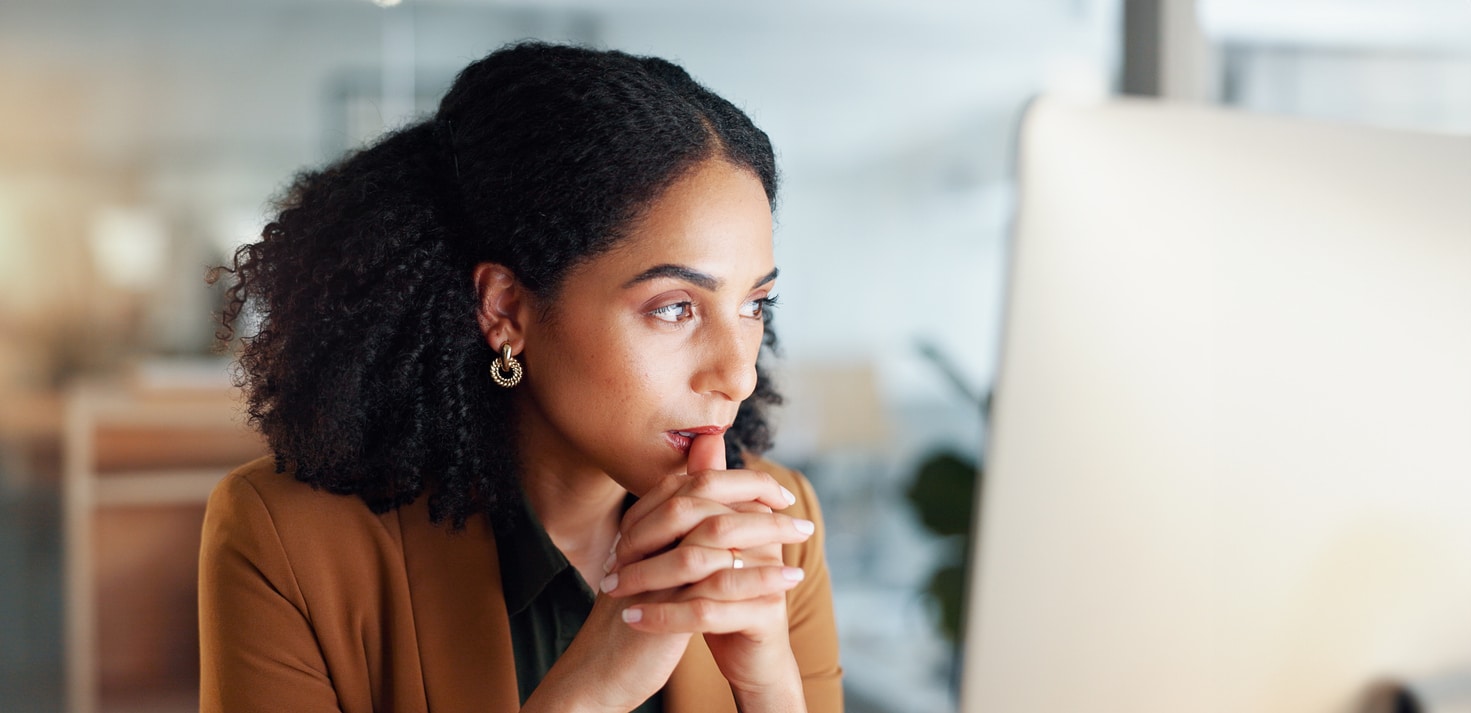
[502,309]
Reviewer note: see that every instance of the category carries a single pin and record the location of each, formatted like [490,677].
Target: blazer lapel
[460,616]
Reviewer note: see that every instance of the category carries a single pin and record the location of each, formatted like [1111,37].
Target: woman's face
[654,340]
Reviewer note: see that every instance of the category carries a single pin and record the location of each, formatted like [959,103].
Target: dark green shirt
[545,597]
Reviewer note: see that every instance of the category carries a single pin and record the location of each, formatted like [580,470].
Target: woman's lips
[678,441]
[681,439]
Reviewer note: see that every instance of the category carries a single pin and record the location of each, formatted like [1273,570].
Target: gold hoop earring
[504,364]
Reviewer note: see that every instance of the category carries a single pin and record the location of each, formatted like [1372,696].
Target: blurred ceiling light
[129,246]
[386,3]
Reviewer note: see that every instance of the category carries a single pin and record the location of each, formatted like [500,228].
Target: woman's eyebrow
[690,275]
[678,272]
[769,277]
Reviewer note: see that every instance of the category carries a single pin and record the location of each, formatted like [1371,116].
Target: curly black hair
[368,374]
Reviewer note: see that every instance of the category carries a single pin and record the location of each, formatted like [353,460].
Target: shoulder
[257,487]
[259,503]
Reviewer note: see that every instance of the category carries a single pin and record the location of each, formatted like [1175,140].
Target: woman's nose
[727,364]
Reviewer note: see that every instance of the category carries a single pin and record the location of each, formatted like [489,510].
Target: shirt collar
[529,559]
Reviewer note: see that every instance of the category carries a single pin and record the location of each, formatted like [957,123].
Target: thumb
[707,452]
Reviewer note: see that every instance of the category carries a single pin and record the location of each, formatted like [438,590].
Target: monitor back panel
[1230,463]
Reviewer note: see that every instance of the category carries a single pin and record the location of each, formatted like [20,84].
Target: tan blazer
[310,602]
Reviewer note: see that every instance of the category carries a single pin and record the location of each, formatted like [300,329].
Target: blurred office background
[140,141]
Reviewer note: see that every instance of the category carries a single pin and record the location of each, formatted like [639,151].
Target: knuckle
[702,611]
[628,545]
[656,614]
[679,508]
[632,578]
[721,527]
[701,484]
[778,599]
[726,582]
[689,558]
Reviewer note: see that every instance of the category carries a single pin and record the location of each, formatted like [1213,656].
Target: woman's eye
[758,307]
[674,312]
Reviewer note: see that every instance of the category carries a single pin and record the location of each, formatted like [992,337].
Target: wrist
[781,694]
[774,701]
[557,693]
[553,703]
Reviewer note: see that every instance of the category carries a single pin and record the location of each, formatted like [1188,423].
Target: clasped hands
[671,574]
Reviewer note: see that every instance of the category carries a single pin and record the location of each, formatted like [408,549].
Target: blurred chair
[139,462]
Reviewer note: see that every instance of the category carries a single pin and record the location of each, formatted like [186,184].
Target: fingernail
[805,527]
[632,616]
[609,583]
[608,563]
[789,496]
[793,574]
[616,538]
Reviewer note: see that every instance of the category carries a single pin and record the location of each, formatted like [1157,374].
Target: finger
[707,452]
[748,530]
[663,528]
[696,521]
[752,582]
[749,507]
[722,486]
[710,616]
[707,574]
[696,566]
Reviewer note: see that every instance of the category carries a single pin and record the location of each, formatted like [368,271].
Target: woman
[508,369]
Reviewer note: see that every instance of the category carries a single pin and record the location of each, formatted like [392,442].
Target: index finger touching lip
[707,452]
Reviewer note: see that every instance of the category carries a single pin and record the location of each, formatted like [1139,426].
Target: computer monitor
[1229,467]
